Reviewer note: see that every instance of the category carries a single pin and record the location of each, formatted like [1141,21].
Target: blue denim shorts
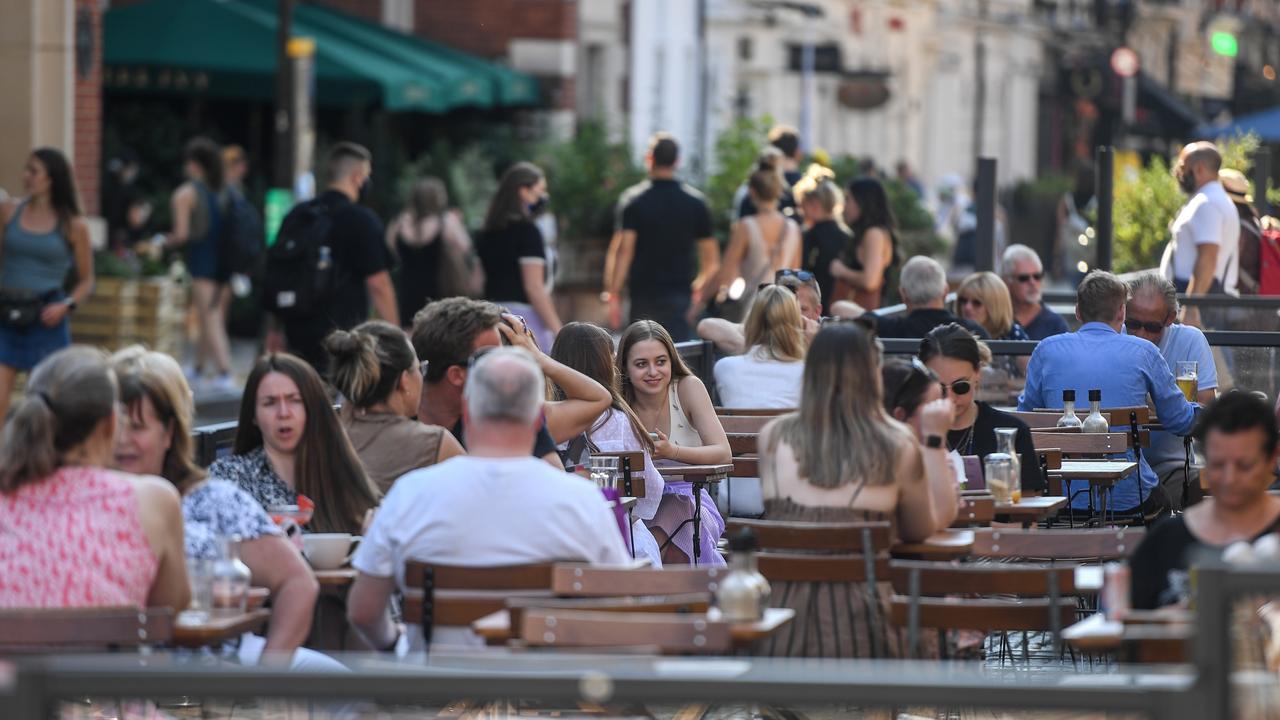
[23,349]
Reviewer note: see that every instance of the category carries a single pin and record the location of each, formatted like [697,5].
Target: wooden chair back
[631,465]
[753,412]
[1090,544]
[975,510]
[1119,416]
[686,604]
[666,633]
[744,443]
[580,580]
[1084,444]
[746,467]
[450,595]
[1046,597]
[744,423]
[827,552]
[1050,459]
[61,629]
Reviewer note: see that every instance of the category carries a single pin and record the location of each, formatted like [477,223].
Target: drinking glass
[200,575]
[604,472]
[1187,378]
[1000,478]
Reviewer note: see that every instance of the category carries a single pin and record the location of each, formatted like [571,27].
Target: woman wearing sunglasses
[984,298]
[956,357]
[377,371]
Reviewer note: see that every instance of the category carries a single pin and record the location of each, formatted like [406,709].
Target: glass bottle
[1095,422]
[744,593]
[1006,445]
[230,577]
[1069,418]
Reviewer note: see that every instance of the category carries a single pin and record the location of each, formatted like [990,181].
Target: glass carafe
[231,577]
[604,472]
[998,469]
[1006,440]
[1069,418]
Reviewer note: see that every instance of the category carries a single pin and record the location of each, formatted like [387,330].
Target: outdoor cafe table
[495,627]
[1101,474]
[1030,510]
[221,626]
[1145,636]
[945,545]
[340,578]
[700,476]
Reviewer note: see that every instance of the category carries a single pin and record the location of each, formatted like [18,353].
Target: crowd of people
[459,417]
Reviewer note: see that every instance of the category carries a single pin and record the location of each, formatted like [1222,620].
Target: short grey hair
[1015,253]
[1152,282]
[922,280]
[504,385]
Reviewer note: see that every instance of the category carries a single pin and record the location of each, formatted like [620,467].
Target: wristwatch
[933,441]
[70,303]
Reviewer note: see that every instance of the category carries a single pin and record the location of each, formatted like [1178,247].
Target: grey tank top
[33,261]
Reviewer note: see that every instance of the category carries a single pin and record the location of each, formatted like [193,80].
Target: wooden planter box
[121,312]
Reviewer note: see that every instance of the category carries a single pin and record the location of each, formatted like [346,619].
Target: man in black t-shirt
[660,222]
[361,260]
[923,286]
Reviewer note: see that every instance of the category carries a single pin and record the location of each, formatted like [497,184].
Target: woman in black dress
[434,250]
[513,252]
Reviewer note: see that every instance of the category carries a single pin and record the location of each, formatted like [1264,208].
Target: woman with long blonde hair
[841,458]
[768,374]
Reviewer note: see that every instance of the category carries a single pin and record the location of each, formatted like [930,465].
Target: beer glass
[1187,379]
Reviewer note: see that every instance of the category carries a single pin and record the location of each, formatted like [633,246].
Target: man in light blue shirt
[1153,305]
[1125,368]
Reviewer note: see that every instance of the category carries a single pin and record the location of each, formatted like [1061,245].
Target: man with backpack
[329,261]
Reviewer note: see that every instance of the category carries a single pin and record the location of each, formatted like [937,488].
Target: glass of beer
[1187,379]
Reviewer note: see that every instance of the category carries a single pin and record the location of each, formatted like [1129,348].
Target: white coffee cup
[328,551]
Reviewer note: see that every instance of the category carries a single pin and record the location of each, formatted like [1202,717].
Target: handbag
[20,309]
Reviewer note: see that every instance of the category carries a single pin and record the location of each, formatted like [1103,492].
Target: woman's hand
[517,334]
[663,448]
[53,313]
[935,418]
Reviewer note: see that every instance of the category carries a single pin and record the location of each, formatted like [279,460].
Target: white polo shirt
[1209,217]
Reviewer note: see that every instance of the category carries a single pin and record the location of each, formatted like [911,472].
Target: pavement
[219,405]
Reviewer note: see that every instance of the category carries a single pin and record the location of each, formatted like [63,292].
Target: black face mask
[539,205]
[1187,181]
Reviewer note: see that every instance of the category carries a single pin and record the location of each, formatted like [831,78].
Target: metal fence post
[1105,184]
[985,252]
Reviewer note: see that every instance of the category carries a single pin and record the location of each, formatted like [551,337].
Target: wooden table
[946,545]
[495,627]
[1030,510]
[1156,636]
[700,476]
[221,626]
[340,578]
[1101,474]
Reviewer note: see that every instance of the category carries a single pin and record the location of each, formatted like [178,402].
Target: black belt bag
[20,309]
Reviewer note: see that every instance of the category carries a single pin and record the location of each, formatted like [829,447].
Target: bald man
[1204,253]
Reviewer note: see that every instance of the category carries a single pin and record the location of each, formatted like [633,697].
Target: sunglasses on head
[1028,277]
[1150,327]
[788,288]
[803,276]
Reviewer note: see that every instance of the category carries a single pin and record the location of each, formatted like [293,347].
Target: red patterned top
[74,540]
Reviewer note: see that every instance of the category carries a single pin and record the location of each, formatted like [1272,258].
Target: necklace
[966,441]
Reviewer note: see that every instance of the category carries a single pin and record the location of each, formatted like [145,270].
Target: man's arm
[383,296]
[367,610]
[727,336]
[617,266]
[708,266]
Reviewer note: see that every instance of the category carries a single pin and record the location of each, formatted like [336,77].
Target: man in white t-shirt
[1204,254]
[1153,305]
[496,506]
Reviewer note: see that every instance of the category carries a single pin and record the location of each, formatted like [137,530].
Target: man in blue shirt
[1124,367]
[1153,305]
[1024,276]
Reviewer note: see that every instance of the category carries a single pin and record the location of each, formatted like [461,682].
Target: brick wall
[367,9]
[88,116]
[485,27]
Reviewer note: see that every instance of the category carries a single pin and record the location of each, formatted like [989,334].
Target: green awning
[227,49]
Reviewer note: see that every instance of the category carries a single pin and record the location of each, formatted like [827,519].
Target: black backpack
[299,278]
[243,237]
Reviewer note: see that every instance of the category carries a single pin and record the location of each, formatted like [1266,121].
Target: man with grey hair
[1203,255]
[1151,315]
[1126,369]
[1023,274]
[496,506]
[923,286]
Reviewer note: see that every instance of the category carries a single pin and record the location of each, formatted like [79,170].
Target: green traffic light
[1224,43]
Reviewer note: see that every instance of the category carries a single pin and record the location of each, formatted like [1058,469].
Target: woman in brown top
[377,371]
[841,458]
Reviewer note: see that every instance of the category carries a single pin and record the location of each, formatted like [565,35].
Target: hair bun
[344,343]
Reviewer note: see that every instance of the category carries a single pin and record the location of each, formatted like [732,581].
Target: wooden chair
[1086,444]
[580,580]
[682,604]
[744,423]
[1045,597]
[830,552]
[975,511]
[665,633]
[1120,416]
[449,595]
[749,412]
[1083,545]
[62,629]
[744,443]
[631,465]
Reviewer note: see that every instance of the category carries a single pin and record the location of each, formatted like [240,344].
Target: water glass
[1000,478]
[200,575]
[604,472]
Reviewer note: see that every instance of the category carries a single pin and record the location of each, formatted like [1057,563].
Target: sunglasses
[1151,327]
[788,288]
[961,302]
[959,387]
[1029,277]
[803,276]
